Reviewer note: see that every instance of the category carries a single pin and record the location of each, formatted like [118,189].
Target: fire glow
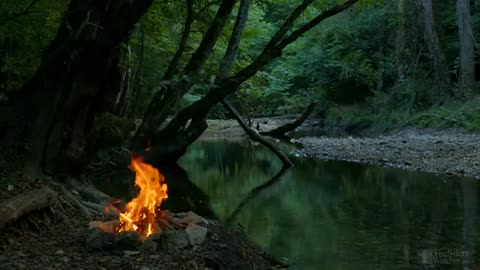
[140,214]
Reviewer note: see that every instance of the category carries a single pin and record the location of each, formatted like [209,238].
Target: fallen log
[253,134]
[25,203]
[281,130]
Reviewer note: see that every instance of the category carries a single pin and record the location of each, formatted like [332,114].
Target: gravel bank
[441,152]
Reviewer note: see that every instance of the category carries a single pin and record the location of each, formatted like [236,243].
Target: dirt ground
[54,238]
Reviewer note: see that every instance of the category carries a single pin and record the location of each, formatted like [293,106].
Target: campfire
[141,213]
[142,222]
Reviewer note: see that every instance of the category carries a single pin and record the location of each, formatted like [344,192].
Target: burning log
[25,203]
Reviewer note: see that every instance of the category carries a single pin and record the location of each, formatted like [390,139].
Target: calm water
[339,215]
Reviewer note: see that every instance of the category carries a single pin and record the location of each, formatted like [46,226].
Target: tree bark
[438,56]
[281,130]
[466,58]
[77,79]
[25,203]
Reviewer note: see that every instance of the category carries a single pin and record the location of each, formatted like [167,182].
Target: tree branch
[306,27]
[281,130]
[253,134]
[19,14]
[231,84]
[225,68]
[234,42]
[172,67]
[203,51]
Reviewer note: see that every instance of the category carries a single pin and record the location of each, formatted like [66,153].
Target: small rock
[149,246]
[196,234]
[128,253]
[10,187]
[174,240]
[191,217]
[65,259]
[99,240]
[144,268]
[108,226]
[59,252]
[127,241]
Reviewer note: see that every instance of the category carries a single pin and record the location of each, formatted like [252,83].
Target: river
[339,215]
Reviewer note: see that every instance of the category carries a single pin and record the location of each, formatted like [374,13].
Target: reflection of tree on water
[332,214]
[257,192]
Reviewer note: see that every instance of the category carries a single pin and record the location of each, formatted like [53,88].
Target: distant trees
[466,65]
[442,76]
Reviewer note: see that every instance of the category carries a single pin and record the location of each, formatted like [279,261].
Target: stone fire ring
[179,231]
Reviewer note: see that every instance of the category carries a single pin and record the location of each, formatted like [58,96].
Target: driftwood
[281,130]
[253,134]
[25,203]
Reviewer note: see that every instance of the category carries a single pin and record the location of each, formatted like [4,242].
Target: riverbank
[54,238]
[231,130]
[451,152]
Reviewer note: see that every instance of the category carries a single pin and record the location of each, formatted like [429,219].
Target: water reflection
[338,215]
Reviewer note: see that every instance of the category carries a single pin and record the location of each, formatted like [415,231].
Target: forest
[239,134]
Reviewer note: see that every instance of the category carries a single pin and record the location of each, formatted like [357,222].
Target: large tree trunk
[466,59]
[77,79]
[439,60]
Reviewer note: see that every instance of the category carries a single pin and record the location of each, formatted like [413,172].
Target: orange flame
[140,213]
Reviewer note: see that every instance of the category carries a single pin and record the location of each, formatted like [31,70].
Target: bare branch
[234,43]
[172,67]
[203,51]
[19,14]
[306,27]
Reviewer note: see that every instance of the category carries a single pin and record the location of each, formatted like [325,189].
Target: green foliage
[348,118]
[464,115]
[24,36]
[349,63]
